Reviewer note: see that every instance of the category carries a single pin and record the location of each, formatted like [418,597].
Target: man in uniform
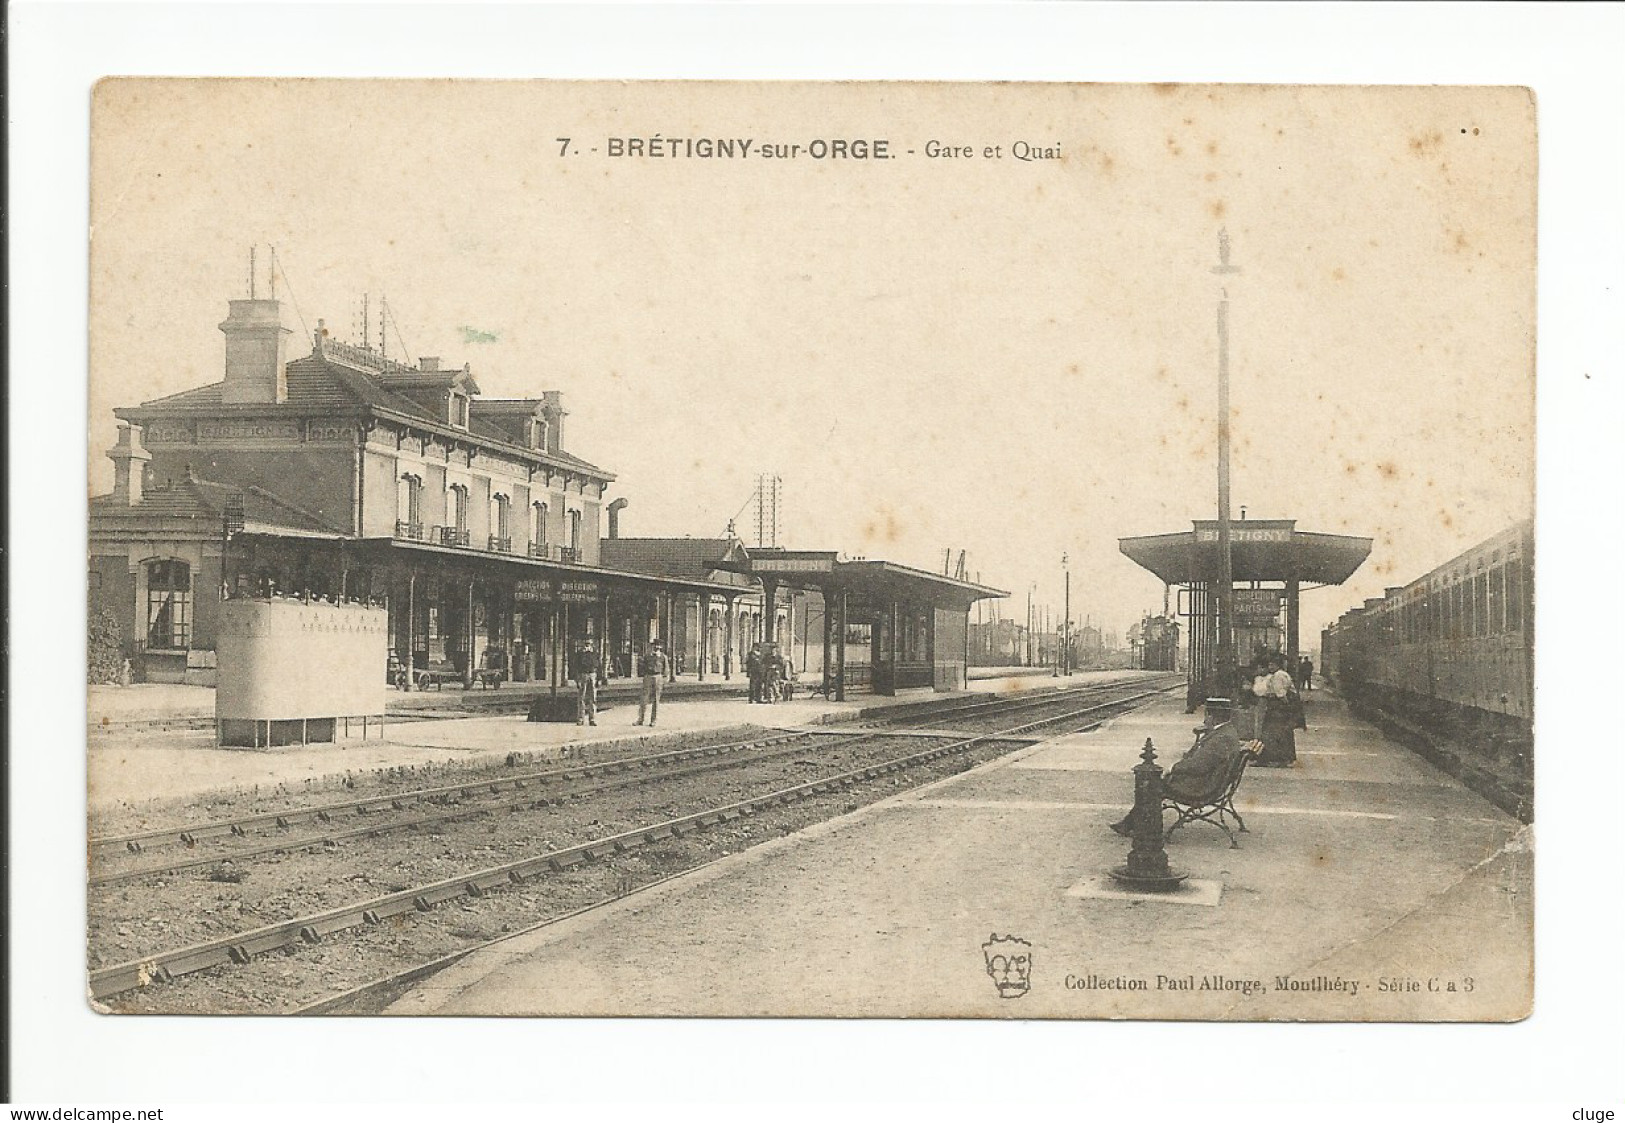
[655,661]
[754,668]
[1199,771]
[585,673]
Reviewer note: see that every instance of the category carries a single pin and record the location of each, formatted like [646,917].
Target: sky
[1013,358]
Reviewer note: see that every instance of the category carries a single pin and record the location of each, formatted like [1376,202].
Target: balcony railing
[413,531]
[453,536]
[569,554]
[499,545]
[540,549]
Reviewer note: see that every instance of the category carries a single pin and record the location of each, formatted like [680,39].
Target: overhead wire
[276,266]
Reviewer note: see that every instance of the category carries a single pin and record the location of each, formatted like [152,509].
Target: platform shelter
[1272,562]
[886,627]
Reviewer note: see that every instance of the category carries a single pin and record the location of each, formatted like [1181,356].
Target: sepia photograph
[862,550]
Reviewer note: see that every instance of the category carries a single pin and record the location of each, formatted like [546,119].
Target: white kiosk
[292,672]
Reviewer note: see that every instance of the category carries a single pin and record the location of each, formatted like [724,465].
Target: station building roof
[707,559]
[339,379]
[1260,550]
[203,503]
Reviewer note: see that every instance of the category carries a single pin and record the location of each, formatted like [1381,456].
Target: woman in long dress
[1274,691]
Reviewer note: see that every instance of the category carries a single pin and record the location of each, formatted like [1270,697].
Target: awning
[862,580]
[1260,550]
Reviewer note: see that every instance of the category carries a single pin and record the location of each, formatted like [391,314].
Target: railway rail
[312,928]
[191,835]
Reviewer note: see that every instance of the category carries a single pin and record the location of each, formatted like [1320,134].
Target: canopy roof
[1260,550]
[866,581]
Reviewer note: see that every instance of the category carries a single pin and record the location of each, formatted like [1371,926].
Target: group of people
[585,668]
[771,677]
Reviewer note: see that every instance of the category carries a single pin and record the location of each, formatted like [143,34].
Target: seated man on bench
[1195,775]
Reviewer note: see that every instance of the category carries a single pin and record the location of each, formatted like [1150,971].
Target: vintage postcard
[872,550]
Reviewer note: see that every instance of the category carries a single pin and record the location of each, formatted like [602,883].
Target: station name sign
[1247,534]
[793,565]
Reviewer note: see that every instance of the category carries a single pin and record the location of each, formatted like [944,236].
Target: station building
[348,476]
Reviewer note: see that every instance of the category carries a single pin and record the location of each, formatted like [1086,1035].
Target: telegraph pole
[1066,624]
[1029,652]
[1225,655]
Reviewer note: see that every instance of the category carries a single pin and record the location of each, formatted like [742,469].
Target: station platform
[133,766]
[1369,887]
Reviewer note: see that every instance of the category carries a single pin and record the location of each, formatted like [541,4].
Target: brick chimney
[129,465]
[615,517]
[553,409]
[256,353]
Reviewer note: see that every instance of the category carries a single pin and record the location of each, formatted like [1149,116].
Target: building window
[459,506]
[500,538]
[458,410]
[409,523]
[575,533]
[538,433]
[169,604]
[457,533]
[538,537]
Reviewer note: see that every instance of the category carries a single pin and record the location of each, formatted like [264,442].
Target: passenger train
[1452,655]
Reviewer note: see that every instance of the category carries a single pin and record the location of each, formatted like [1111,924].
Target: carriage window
[169,604]
[1514,595]
[1478,604]
[1497,600]
[1456,624]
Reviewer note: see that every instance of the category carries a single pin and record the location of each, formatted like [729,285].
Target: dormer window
[537,434]
[457,411]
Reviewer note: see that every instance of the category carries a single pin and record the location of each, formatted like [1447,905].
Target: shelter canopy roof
[1260,550]
[868,581]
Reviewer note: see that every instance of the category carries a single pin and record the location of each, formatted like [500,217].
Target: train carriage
[1452,652]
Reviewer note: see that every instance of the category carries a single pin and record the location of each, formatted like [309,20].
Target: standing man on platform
[655,662]
[754,667]
[586,676]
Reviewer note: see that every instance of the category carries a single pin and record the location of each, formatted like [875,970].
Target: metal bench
[1218,802]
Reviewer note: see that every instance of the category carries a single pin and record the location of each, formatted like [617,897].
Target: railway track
[549,785]
[1086,705]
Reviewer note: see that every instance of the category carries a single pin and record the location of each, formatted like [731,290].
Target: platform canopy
[1260,550]
[863,580]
